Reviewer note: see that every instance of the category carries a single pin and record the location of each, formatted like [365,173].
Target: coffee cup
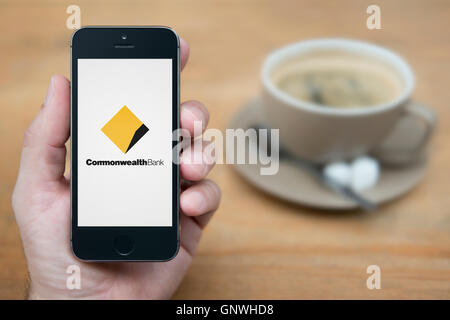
[336,99]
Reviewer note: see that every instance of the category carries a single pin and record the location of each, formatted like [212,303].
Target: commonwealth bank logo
[124,129]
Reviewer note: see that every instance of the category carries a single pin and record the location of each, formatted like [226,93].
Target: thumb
[44,153]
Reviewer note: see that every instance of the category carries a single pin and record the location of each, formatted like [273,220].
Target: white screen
[112,192]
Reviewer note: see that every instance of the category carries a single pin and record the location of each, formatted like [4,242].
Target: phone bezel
[151,243]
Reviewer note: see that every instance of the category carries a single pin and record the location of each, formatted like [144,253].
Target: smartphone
[124,110]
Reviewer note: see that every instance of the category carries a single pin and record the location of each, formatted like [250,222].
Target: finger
[203,220]
[190,235]
[184,48]
[44,153]
[51,125]
[194,117]
[197,161]
[200,201]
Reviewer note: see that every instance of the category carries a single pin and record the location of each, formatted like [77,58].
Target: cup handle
[407,155]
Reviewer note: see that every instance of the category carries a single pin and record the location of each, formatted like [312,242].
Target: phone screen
[124,142]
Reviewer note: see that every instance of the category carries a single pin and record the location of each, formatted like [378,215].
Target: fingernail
[50,92]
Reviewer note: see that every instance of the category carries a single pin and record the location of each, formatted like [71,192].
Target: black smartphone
[124,111]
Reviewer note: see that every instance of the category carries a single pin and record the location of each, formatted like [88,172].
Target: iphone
[124,111]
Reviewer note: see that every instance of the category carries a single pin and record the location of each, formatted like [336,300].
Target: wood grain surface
[256,246]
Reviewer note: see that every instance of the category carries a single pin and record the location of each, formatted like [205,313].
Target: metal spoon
[317,172]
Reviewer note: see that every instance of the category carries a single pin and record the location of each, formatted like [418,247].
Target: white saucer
[295,185]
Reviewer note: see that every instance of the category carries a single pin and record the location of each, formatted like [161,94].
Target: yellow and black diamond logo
[124,129]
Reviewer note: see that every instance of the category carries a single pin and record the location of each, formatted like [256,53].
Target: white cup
[323,134]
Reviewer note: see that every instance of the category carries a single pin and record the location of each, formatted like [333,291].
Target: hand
[41,202]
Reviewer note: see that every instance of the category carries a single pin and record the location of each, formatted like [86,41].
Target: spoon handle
[345,191]
[364,203]
[317,173]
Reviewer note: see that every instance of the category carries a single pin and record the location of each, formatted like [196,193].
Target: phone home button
[124,245]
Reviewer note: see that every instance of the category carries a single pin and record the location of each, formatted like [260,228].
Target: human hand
[41,203]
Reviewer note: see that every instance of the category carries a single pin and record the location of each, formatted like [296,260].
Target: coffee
[338,79]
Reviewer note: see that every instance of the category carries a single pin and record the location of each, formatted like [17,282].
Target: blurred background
[257,247]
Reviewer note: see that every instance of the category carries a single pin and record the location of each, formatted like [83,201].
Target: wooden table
[257,246]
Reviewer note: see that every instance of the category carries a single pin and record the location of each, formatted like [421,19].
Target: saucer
[294,184]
